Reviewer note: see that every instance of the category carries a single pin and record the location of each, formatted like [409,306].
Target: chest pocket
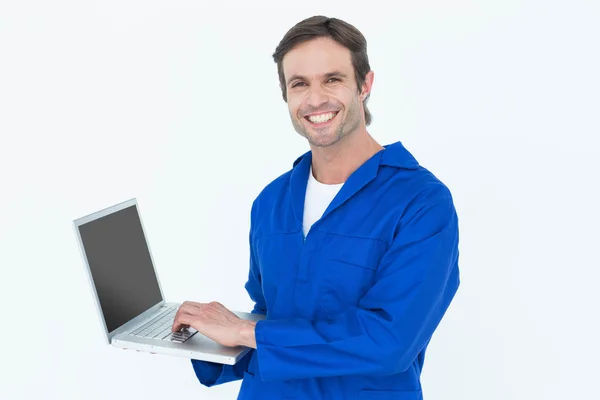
[349,265]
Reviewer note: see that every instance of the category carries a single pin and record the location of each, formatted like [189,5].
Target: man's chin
[322,141]
[317,138]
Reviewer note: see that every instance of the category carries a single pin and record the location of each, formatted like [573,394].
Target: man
[354,251]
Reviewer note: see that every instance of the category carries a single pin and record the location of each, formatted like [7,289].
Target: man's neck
[334,164]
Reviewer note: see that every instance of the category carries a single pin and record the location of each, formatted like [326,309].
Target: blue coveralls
[351,307]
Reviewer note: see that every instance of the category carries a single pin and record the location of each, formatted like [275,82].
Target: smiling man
[353,251]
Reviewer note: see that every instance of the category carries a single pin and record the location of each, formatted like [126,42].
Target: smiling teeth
[319,119]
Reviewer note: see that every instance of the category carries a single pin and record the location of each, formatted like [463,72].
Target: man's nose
[316,97]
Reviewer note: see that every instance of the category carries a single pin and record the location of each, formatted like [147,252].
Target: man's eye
[333,80]
[297,84]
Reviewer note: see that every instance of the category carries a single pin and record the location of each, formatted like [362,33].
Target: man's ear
[367,85]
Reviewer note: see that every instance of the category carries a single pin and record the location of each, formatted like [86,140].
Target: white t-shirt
[318,197]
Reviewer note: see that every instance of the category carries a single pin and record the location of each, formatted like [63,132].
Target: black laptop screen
[121,267]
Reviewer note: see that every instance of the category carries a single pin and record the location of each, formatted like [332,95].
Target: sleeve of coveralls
[212,374]
[416,281]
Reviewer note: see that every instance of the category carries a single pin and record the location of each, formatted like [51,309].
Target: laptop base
[198,347]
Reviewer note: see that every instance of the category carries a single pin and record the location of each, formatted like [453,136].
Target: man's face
[322,95]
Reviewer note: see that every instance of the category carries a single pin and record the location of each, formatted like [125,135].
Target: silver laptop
[128,295]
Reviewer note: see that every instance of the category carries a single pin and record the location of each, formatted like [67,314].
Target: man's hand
[216,322]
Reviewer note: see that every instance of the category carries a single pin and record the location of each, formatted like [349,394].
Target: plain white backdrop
[177,103]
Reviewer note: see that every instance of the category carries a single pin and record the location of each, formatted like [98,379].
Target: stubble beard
[321,137]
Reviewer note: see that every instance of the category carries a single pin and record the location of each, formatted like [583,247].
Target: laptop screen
[121,267]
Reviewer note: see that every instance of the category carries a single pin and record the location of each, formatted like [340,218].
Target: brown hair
[342,32]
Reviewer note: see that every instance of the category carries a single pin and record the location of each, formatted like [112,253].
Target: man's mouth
[319,119]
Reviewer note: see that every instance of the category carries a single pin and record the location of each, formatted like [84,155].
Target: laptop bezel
[140,318]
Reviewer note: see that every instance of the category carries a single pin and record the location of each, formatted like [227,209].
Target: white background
[177,103]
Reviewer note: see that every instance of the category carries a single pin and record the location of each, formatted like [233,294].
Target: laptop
[127,292]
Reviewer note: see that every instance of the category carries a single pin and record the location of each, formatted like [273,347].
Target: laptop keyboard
[160,326]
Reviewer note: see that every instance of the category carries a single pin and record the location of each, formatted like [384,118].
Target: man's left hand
[216,322]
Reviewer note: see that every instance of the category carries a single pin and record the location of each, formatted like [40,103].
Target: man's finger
[176,321]
[180,327]
[187,307]
[180,310]
[187,311]
[183,320]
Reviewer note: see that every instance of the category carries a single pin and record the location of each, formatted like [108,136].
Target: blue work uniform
[351,307]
